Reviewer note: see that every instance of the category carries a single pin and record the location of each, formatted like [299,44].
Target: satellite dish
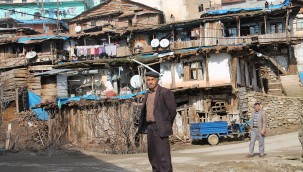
[30,54]
[155,43]
[164,43]
[78,29]
[259,54]
[136,81]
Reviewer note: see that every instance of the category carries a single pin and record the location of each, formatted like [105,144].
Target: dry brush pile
[107,126]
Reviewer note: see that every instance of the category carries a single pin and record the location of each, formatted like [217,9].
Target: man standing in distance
[258,130]
[157,117]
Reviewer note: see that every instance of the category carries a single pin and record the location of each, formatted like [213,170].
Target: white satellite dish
[78,29]
[164,43]
[259,54]
[136,81]
[30,54]
[155,43]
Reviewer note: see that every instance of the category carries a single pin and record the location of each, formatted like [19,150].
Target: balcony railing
[222,41]
[272,37]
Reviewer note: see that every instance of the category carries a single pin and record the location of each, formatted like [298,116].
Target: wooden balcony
[12,62]
[220,41]
[272,37]
[185,44]
[123,51]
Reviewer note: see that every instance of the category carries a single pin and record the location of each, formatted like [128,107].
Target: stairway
[274,84]
[290,84]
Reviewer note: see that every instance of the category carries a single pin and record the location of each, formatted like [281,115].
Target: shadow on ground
[54,160]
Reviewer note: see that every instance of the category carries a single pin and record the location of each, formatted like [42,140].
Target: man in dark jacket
[157,117]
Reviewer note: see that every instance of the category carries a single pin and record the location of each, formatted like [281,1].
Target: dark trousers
[158,150]
[265,85]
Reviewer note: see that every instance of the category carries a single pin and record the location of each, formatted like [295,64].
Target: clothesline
[96,50]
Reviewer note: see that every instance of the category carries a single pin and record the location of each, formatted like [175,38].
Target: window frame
[187,66]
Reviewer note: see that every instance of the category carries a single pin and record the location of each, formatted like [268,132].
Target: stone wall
[281,110]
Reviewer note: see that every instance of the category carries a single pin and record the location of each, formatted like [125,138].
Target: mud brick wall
[281,110]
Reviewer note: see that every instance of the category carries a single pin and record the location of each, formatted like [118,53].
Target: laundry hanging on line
[95,50]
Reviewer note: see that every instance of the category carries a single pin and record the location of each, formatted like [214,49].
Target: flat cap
[257,103]
[152,74]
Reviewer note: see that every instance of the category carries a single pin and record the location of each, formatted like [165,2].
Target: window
[230,31]
[276,28]
[93,23]
[193,71]
[254,30]
[201,9]
[130,22]
[37,16]
[300,24]
[7,14]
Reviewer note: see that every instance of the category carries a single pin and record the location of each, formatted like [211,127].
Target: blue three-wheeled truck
[213,131]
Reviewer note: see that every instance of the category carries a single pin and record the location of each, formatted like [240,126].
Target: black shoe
[261,156]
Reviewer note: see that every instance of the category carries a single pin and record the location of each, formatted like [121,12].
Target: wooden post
[242,69]
[52,51]
[260,79]
[234,73]
[17,100]
[173,77]
[265,26]
[254,80]
[200,35]
[286,27]
[206,70]
[239,27]
[8,136]
[173,35]
[247,76]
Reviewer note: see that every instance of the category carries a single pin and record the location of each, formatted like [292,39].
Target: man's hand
[263,133]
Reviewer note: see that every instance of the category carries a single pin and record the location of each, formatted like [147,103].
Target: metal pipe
[145,66]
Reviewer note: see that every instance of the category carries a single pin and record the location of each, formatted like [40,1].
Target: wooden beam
[17,100]
[242,69]
[40,67]
[206,70]
[275,63]
[173,77]
[265,27]
[239,27]
[286,30]
[234,73]
[260,78]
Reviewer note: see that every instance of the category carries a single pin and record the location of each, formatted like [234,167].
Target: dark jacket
[164,112]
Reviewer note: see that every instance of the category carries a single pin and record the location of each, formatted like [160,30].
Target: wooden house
[104,26]
[209,63]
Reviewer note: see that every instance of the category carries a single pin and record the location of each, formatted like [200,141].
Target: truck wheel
[213,139]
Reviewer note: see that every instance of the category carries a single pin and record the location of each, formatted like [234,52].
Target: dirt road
[282,155]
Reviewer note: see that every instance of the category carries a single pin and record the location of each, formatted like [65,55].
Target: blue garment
[256,118]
